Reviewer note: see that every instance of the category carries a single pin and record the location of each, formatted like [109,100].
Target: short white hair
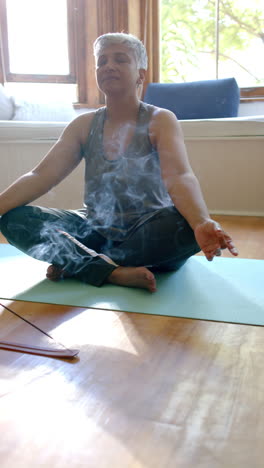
[132,42]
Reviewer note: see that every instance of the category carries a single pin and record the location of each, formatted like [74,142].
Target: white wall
[226,154]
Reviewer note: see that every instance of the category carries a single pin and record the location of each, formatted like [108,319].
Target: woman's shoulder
[157,113]
[87,117]
[161,120]
[82,124]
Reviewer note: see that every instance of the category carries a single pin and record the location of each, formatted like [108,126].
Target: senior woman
[143,207]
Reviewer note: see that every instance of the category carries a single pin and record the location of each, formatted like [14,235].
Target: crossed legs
[163,243]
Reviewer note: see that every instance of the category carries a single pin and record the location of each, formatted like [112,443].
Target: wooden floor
[146,391]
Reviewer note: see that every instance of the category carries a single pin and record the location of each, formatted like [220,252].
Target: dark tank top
[122,194]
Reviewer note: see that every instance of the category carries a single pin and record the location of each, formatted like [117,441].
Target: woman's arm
[63,157]
[183,186]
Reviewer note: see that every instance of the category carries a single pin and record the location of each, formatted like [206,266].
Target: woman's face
[116,70]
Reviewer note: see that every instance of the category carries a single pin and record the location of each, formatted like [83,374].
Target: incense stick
[43,351]
[91,252]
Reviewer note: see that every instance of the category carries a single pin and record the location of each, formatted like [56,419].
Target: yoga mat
[226,290]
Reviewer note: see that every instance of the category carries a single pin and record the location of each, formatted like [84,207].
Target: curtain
[2,68]
[150,32]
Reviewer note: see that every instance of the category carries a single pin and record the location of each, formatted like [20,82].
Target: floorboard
[145,391]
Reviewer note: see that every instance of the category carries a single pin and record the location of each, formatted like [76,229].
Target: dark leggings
[163,243]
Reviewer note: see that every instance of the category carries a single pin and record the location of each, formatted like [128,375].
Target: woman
[143,205]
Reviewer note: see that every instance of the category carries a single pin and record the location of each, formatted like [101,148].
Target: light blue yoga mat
[226,290]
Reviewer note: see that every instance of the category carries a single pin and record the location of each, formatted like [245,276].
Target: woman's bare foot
[133,277]
[55,273]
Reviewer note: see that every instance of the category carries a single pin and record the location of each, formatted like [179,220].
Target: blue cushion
[208,99]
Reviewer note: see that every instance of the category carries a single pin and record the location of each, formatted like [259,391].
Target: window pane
[188,30]
[37,36]
[241,41]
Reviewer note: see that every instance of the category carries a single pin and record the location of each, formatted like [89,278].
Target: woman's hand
[211,239]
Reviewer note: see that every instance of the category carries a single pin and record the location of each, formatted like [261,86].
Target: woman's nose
[110,65]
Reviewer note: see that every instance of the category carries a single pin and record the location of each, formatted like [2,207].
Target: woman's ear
[140,81]
[141,77]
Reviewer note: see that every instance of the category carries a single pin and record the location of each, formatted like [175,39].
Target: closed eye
[101,61]
[122,57]
[118,57]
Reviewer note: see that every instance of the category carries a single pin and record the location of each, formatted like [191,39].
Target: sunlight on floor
[92,328]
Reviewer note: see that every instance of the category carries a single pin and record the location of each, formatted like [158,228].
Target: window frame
[88,19]
[77,26]
[252,94]
[39,78]
[247,94]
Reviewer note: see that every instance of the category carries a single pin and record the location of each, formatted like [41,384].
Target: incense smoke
[114,200]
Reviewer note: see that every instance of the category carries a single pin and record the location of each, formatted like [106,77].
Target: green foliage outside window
[188,40]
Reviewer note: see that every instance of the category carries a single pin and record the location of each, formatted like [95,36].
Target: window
[39,39]
[79,22]
[210,39]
